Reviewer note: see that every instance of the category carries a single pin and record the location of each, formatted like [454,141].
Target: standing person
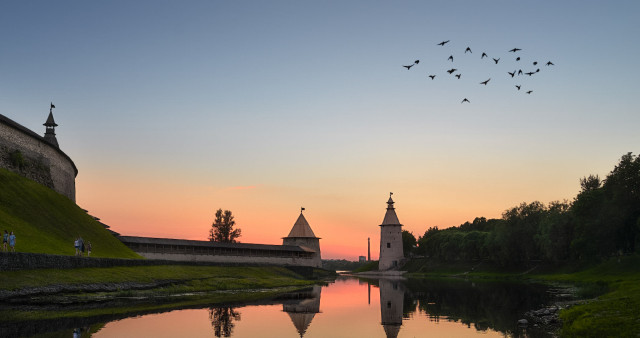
[88,248]
[5,240]
[76,244]
[12,242]
[81,242]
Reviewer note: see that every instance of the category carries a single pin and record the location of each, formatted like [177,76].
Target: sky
[172,110]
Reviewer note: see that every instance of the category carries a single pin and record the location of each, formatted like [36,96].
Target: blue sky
[306,102]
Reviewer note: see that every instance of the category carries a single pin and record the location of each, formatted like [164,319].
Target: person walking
[81,243]
[88,248]
[76,244]
[5,240]
[12,242]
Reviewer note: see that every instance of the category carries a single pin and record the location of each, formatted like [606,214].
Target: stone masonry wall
[42,162]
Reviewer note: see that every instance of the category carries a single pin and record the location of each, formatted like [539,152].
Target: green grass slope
[47,222]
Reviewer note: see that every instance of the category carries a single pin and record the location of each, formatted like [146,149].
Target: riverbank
[100,285]
[43,298]
[609,291]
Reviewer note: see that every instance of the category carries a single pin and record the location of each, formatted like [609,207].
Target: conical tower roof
[50,122]
[390,218]
[391,330]
[301,321]
[301,228]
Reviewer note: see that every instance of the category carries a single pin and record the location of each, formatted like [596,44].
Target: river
[347,307]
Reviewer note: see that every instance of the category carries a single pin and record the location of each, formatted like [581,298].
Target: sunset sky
[173,109]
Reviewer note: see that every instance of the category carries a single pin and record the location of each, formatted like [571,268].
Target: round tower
[302,235]
[390,239]
[50,128]
[391,305]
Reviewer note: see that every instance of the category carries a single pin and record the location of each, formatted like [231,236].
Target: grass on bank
[611,287]
[137,307]
[194,278]
[195,285]
[45,221]
[615,312]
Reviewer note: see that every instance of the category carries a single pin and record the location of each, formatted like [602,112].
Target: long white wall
[230,259]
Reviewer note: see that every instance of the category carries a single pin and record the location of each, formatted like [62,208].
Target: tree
[222,228]
[408,243]
[222,320]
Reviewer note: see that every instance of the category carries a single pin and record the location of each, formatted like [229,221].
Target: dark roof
[50,121]
[187,242]
[15,125]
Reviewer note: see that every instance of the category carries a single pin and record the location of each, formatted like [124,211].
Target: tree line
[603,220]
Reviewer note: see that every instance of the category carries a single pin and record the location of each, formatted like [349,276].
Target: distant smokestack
[368,249]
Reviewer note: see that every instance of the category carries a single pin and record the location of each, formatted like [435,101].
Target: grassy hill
[47,222]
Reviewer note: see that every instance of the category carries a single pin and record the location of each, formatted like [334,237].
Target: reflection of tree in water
[222,320]
[484,305]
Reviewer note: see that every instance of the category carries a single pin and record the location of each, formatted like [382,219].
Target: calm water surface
[350,307]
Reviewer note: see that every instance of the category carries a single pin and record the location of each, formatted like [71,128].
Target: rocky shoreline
[547,319]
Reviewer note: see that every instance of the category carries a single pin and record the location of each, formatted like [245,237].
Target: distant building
[300,248]
[391,253]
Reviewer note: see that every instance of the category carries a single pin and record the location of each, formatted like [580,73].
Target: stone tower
[391,305]
[390,239]
[50,132]
[302,235]
[303,311]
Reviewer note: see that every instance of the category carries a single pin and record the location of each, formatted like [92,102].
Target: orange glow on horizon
[155,207]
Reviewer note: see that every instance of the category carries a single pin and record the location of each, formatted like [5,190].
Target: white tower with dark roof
[391,253]
[302,235]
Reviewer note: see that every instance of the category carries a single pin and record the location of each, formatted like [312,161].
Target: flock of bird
[516,73]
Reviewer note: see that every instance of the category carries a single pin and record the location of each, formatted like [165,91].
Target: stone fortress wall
[29,154]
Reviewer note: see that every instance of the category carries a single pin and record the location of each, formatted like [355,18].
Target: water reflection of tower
[391,305]
[302,312]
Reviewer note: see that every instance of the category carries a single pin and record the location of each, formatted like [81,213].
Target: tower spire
[50,128]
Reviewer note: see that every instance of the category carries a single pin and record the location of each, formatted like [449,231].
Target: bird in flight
[512,74]
[538,70]
[416,61]
[518,86]
[408,67]
[530,73]
[529,92]
[432,77]
[515,50]
[535,63]
[450,58]
[520,72]
[443,43]
[468,50]
[458,76]
[450,71]
[496,60]
[518,58]
[465,100]
[485,82]
[484,55]
[550,63]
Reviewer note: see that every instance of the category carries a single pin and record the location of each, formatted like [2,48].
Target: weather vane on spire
[51,109]
[301,209]
[390,194]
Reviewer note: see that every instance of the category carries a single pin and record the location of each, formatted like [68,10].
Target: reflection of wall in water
[302,312]
[391,305]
